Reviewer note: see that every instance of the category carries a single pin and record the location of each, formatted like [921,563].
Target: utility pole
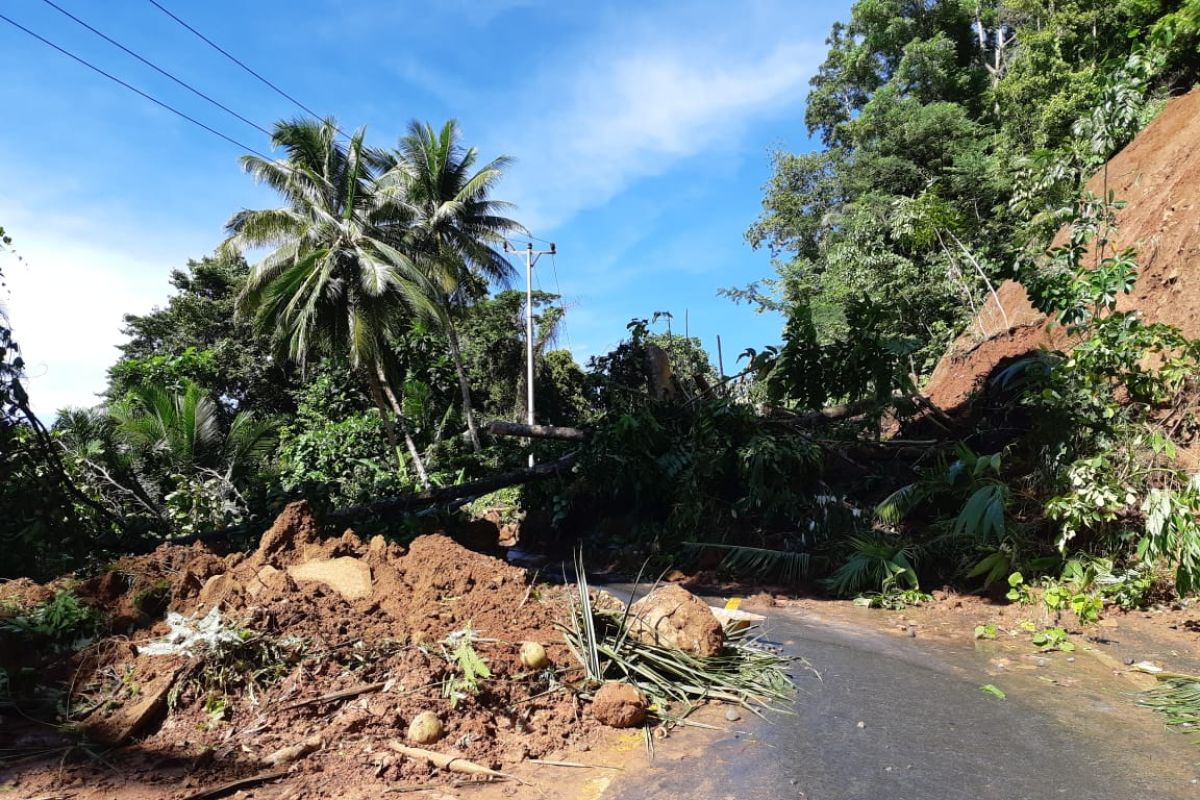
[531,258]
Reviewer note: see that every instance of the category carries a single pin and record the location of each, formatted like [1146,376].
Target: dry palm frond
[746,672]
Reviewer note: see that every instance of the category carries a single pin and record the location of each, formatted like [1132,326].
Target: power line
[237,61]
[155,67]
[133,89]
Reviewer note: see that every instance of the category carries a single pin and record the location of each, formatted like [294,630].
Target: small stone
[1129,662]
[861,724]
[584,747]
[732,715]
[1070,659]
[425,728]
[620,705]
[912,632]
[533,655]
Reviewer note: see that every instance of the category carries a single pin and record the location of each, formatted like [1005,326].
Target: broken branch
[353,691]
[448,762]
[502,428]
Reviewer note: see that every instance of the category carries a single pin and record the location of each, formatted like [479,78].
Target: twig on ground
[240,783]
[450,763]
[353,691]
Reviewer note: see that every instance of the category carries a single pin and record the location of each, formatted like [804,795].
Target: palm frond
[746,672]
[759,563]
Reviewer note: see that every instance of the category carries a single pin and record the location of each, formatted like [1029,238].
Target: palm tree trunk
[385,415]
[463,384]
[413,453]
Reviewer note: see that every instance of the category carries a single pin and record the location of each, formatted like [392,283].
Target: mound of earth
[1157,175]
[350,641]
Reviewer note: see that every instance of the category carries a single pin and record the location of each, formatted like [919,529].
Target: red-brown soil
[299,588]
[1158,175]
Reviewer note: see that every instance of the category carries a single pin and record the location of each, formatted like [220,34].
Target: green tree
[949,125]
[197,336]
[335,283]
[494,347]
[163,457]
[456,226]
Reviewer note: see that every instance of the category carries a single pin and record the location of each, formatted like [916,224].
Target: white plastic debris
[190,636]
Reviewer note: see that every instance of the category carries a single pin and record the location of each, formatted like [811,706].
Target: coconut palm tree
[455,227]
[335,281]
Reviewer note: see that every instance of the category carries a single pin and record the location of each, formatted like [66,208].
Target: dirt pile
[344,641]
[1157,175]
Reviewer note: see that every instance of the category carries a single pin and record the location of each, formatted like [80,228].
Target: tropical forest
[364,499]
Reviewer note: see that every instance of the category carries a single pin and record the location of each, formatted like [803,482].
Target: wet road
[927,731]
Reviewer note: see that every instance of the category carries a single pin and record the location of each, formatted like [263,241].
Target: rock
[673,617]
[533,655]
[619,705]
[347,576]
[732,715]
[425,728]
[604,601]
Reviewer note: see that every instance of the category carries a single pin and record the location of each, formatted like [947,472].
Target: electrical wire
[133,89]
[155,67]
[241,64]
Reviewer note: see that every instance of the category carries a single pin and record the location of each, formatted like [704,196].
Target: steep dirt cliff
[1158,176]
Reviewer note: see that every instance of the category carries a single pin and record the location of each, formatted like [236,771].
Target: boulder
[347,576]
[620,705]
[674,618]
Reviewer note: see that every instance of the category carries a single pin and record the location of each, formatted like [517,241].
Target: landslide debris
[315,657]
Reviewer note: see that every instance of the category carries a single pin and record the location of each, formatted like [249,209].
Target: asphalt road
[896,718]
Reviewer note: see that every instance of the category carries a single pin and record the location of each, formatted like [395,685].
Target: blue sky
[641,133]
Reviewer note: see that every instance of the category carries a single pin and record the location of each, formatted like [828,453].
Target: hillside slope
[1158,175]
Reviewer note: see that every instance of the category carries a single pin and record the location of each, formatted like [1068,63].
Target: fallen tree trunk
[501,428]
[391,505]
[448,494]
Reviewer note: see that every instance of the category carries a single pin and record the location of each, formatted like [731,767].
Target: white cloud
[65,299]
[599,119]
